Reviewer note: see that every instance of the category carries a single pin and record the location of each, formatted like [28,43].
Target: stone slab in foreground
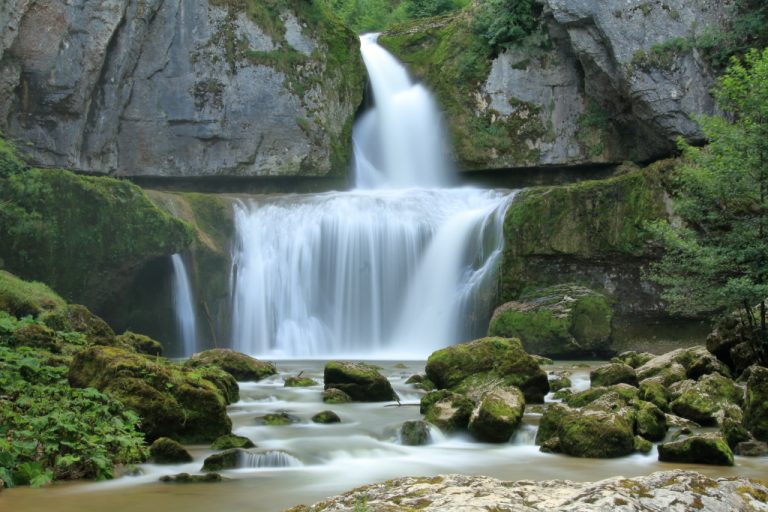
[670,491]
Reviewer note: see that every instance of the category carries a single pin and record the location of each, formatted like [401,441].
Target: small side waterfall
[183,305]
[392,269]
[270,459]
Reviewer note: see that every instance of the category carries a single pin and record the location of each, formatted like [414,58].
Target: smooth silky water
[393,270]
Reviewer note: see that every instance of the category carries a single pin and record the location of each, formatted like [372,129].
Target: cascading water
[186,321]
[386,270]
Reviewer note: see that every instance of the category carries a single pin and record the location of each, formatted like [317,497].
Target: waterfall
[397,267]
[183,306]
[270,459]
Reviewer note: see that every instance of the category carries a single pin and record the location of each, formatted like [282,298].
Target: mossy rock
[614,373]
[415,433]
[326,418]
[167,451]
[559,321]
[559,382]
[550,422]
[230,441]
[172,400]
[734,432]
[499,359]
[626,392]
[672,366]
[756,407]
[448,411]
[702,401]
[698,449]
[242,367]
[497,415]
[140,343]
[278,419]
[37,336]
[595,434]
[299,382]
[26,298]
[633,358]
[228,459]
[642,445]
[650,421]
[653,390]
[362,382]
[224,381]
[186,478]
[336,396]
[705,365]
[75,317]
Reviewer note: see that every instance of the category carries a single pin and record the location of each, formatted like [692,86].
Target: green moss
[701,449]
[498,415]
[326,417]
[242,367]
[586,397]
[21,298]
[299,382]
[231,441]
[278,419]
[539,329]
[654,391]
[650,421]
[168,451]
[595,435]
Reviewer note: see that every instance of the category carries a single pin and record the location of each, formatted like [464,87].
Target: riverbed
[323,460]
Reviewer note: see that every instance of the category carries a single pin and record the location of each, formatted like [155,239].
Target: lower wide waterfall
[385,273]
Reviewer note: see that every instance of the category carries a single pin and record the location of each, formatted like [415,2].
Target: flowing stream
[186,322]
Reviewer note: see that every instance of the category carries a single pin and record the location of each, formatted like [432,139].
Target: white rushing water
[183,305]
[398,267]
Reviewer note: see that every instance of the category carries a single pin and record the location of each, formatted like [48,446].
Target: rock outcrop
[615,80]
[361,382]
[194,88]
[675,491]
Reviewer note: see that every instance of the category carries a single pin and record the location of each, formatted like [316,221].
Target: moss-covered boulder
[173,401]
[550,422]
[414,433]
[75,317]
[633,358]
[558,321]
[242,367]
[335,396]
[229,441]
[698,449]
[650,421]
[702,401]
[624,392]
[25,298]
[756,407]
[446,410]
[168,451]
[734,433]
[37,336]
[499,359]
[558,382]
[706,364]
[497,415]
[642,445]
[228,459]
[614,373]
[653,390]
[326,418]
[362,382]
[186,478]
[672,366]
[299,382]
[140,343]
[595,434]
[278,419]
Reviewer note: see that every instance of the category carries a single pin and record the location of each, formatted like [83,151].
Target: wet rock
[242,367]
[326,417]
[448,411]
[168,451]
[705,365]
[698,449]
[140,343]
[277,419]
[743,356]
[75,317]
[299,382]
[230,441]
[550,422]
[36,336]
[616,373]
[415,433]
[633,359]
[666,490]
[650,421]
[672,366]
[186,478]
[681,423]
[497,415]
[489,359]
[653,390]
[752,449]
[228,459]
[595,434]
[642,445]
[362,382]
[756,407]
[559,321]
[734,433]
[702,401]
[626,392]
[335,396]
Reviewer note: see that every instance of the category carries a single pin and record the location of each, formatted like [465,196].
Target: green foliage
[50,430]
[663,55]
[717,257]
[505,23]
[748,28]
[377,15]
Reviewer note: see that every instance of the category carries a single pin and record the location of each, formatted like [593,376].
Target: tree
[716,256]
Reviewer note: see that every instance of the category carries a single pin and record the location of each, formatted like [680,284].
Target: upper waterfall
[399,142]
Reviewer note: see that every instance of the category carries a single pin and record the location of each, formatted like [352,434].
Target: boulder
[24,298]
[706,364]
[242,367]
[642,445]
[498,359]
[299,382]
[230,441]
[615,373]
[560,321]
[756,407]
[650,421]
[172,400]
[672,366]
[703,401]
[278,419]
[140,343]
[415,433]
[697,449]
[186,478]
[326,417]
[448,411]
[734,432]
[743,356]
[362,382]
[228,459]
[558,382]
[497,415]
[75,317]
[550,422]
[37,336]
[625,392]
[335,396]
[168,451]
[653,390]
[752,449]
[633,359]
[595,434]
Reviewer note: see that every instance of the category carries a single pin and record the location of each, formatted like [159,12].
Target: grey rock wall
[178,87]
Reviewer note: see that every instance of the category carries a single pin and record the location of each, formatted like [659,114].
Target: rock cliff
[603,82]
[180,87]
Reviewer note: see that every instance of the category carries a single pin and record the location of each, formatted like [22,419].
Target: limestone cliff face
[179,87]
[613,80]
